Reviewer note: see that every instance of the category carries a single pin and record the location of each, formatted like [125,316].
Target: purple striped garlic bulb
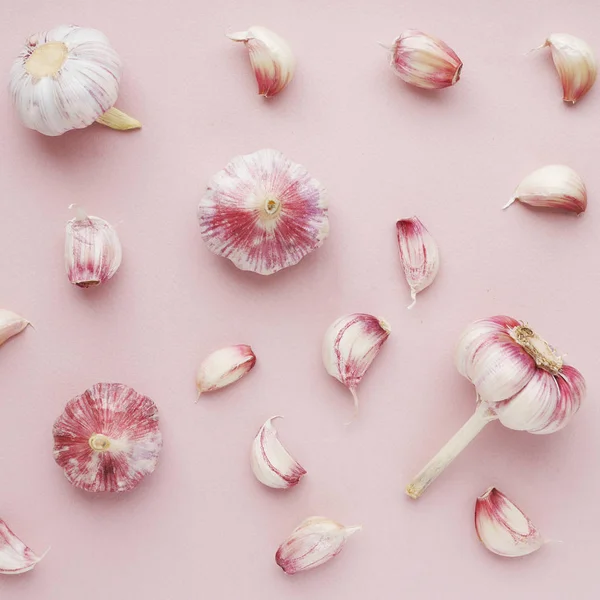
[68,78]
[520,381]
[263,212]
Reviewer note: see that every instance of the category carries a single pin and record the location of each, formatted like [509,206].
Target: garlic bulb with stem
[15,556]
[68,78]
[519,380]
[224,367]
[11,324]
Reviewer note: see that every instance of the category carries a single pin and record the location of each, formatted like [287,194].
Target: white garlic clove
[419,255]
[67,78]
[271,57]
[11,324]
[503,528]
[575,63]
[424,61]
[350,345]
[314,542]
[263,212]
[271,463]
[92,250]
[224,367]
[553,186]
[15,556]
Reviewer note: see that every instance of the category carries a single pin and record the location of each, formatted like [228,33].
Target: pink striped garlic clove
[424,61]
[271,57]
[271,463]
[419,255]
[224,367]
[314,542]
[92,250]
[11,324]
[15,556]
[553,186]
[503,528]
[350,345]
[575,63]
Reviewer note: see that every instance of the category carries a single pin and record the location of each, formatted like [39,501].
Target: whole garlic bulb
[67,78]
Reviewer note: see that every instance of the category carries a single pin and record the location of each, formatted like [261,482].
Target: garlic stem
[461,439]
[117,119]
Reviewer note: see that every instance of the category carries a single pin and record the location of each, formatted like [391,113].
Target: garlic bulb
[520,381]
[224,367]
[271,463]
[263,212]
[424,61]
[271,57]
[92,250]
[15,556]
[67,78]
[107,439]
[314,542]
[419,255]
[575,63]
[11,324]
[350,345]
[553,186]
[503,528]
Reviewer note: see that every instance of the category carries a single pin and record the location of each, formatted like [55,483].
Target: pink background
[201,525]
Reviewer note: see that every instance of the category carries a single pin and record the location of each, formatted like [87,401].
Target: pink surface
[201,525]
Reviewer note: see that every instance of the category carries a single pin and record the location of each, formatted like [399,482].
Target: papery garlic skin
[224,367]
[263,212]
[67,78]
[93,251]
[11,324]
[575,63]
[503,528]
[424,61]
[350,345]
[314,542]
[271,57]
[15,556]
[419,255]
[552,186]
[271,463]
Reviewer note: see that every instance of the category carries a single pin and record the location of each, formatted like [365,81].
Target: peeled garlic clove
[271,57]
[424,61]
[15,556]
[224,367]
[271,463]
[553,186]
[350,345]
[107,439]
[67,78]
[10,324]
[575,63]
[314,542]
[419,255]
[263,212]
[92,250]
[502,528]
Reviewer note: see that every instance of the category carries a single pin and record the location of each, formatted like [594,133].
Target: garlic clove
[92,250]
[11,324]
[503,528]
[68,78]
[314,542]
[107,439]
[419,255]
[575,63]
[350,345]
[224,367]
[15,556]
[271,463]
[263,212]
[271,57]
[424,61]
[553,186]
